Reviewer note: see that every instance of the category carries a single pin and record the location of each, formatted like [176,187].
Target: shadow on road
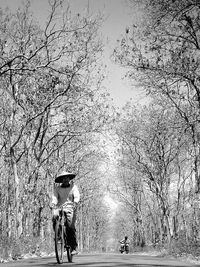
[102,260]
[110,261]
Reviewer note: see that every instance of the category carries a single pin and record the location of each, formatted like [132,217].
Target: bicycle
[124,248]
[61,239]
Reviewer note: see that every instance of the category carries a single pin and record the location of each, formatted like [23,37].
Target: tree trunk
[168,229]
[17,192]
[80,229]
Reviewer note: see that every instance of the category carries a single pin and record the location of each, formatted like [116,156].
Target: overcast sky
[118,16]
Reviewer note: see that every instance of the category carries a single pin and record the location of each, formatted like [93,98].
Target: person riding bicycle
[124,244]
[66,194]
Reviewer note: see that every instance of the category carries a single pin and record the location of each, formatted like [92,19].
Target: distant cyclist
[124,245]
[66,194]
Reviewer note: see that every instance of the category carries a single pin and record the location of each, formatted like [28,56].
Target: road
[101,260]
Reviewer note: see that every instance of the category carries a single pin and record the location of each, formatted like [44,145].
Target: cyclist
[67,195]
[124,244]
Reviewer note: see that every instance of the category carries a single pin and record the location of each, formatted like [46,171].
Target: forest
[55,115]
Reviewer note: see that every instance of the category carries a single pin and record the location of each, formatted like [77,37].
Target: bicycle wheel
[68,248]
[59,242]
[69,254]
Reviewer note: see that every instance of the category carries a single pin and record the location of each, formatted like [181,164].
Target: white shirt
[65,195]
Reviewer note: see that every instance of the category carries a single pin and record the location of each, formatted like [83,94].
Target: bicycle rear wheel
[69,254]
[59,242]
[68,247]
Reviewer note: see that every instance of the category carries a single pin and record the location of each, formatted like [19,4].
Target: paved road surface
[101,260]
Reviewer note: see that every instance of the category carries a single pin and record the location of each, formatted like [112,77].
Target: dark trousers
[70,227]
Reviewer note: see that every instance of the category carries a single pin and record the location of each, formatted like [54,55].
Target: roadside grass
[25,247]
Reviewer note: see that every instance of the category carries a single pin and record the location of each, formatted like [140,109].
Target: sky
[118,16]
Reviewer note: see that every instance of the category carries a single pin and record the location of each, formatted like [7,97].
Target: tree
[51,106]
[164,57]
[155,169]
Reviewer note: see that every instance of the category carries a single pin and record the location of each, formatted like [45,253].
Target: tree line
[159,166]
[52,112]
